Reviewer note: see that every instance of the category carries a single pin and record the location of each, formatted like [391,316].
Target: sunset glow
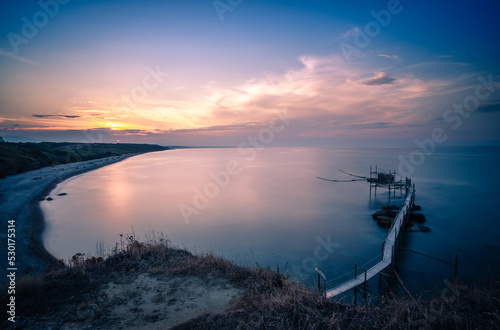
[181,74]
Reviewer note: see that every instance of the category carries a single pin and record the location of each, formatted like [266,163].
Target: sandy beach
[19,200]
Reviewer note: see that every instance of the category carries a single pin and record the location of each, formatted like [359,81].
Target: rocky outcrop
[385,217]
[384,213]
[417,217]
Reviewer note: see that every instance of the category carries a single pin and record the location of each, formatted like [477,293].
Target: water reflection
[272,212]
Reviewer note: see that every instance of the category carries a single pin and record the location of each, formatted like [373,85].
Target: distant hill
[16,139]
[17,158]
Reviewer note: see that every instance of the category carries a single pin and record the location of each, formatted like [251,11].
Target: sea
[267,208]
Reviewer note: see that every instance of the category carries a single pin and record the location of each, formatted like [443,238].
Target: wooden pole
[380,274]
[389,278]
[393,259]
[364,293]
[324,290]
[370,181]
[319,284]
[355,288]
[403,285]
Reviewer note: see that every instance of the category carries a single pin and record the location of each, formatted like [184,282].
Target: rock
[417,217]
[390,207]
[384,213]
[384,221]
[62,194]
[421,228]
[424,229]
[417,207]
[50,199]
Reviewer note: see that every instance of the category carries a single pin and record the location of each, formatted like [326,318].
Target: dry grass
[269,300]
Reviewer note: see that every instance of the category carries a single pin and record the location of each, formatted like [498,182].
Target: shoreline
[20,197]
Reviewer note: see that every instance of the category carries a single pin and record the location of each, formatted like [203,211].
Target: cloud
[381,79]
[52,116]
[15,57]
[84,105]
[395,57]
[327,98]
[372,125]
[221,128]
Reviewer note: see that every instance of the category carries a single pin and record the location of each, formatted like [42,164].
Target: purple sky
[362,73]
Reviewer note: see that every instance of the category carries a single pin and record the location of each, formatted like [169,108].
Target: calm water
[272,210]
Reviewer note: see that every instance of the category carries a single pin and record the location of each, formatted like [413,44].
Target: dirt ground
[155,302]
[144,301]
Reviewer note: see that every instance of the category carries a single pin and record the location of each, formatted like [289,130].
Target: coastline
[20,197]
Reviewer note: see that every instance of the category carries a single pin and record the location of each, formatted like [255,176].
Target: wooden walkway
[388,252]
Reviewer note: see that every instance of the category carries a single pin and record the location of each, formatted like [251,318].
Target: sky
[214,73]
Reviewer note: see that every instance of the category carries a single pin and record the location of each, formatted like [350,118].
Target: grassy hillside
[78,296]
[17,158]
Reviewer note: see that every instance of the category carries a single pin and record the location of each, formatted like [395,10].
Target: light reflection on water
[275,211]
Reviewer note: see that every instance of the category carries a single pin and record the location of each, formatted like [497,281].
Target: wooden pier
[388,254]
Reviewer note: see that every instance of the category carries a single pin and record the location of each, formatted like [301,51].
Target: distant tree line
[17,158]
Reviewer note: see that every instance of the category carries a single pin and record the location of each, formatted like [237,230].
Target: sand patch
[150,301]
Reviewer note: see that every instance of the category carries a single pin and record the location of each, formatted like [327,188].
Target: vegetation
[269,300]
[17,158]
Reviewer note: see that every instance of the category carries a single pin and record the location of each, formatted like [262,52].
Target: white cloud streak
[15,57]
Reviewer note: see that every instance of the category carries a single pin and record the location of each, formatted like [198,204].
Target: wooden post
[364,293]
[324,290]
[380,274]
[319,284]
[355,288]
[395,235]
[370,181]
[389,280]
[393,259]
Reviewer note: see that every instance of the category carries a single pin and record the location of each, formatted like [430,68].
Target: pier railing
[364,274]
